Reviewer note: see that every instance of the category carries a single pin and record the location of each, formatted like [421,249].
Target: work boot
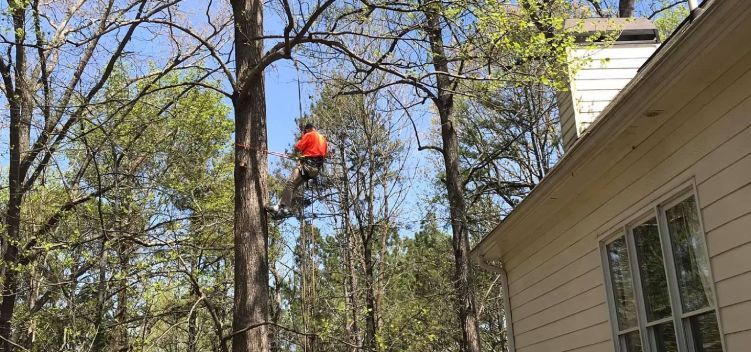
[278,212]
[284,212]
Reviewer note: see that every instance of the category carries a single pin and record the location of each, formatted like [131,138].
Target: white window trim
[656,208]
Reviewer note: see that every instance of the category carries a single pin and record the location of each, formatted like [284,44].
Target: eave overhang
[673,72]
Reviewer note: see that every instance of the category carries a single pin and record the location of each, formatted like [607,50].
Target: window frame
[618,333]
[679,319]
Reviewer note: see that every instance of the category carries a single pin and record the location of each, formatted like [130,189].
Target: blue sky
[282,104]
[282,97]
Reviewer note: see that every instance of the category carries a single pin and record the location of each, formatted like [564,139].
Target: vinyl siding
[597,347]
[568,123]
[602,75]
[571,340]
[738,341]
[556,285]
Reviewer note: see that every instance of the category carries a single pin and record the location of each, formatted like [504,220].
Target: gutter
[586,142]
[693,6]
[496,266]
[695,10]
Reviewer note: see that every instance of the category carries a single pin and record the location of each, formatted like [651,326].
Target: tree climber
[313,147]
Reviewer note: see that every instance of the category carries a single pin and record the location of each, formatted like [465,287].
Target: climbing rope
[239,146]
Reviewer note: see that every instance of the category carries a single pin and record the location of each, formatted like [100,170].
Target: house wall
[603,74]
[568,122]
[556,285]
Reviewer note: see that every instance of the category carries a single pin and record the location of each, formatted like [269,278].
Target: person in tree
[313,147]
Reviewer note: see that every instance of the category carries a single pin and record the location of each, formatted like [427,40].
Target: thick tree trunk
[460,242]
[19,103]
[251,300]
[457,207]
[626,8]
[27,337]
[251,231]
[10,257]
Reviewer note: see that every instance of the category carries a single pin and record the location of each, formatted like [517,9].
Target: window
[660,291]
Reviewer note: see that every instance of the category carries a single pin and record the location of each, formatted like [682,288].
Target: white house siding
[568,125]
[605,71]
[726,205]
[555,277]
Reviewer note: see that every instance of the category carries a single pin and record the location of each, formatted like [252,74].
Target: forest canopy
[136,166]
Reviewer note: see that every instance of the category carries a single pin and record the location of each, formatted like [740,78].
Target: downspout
[496,266]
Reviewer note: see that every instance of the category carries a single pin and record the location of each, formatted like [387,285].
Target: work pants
[294,181]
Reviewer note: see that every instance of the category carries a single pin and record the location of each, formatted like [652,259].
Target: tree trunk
[383,250]
[370,315]
[276,309]
[351,287]
[27,337]
[193,323]
[10,257]
[121,339]
[371,326]
[251,298]
[460,243]
[99,338]
[19,103]
[626,8]
[307,280]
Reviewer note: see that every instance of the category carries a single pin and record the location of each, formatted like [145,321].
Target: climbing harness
[310,168]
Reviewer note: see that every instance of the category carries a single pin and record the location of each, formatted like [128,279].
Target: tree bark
[370,316]
[307,280]
[251,297]
[19,102]
[27,337]
[99,342]
[13,223]
[193,322]
[276,309]
[457,207]
[352,287]
[367,235]
[626,8]
[121,340]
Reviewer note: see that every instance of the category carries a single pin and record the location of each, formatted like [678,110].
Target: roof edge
[579,150]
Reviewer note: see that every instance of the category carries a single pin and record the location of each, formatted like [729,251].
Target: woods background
[132,220]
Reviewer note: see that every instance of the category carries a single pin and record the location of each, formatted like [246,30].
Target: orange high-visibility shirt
[312,144]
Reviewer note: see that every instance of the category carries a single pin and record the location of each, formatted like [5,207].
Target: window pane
[664,335]
[623,285]
[652,270]
[690,254]
[631,342]
[705,333]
